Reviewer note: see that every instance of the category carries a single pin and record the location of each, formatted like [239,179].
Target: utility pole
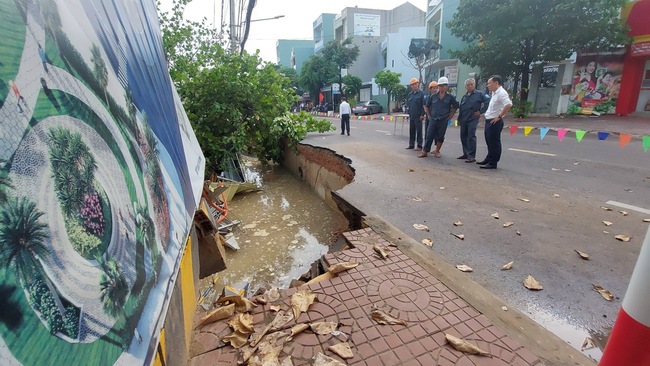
[233,28]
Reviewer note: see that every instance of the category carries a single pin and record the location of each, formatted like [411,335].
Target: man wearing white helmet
[439,108]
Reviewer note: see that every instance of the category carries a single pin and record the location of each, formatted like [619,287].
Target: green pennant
[580,134]
[646,143]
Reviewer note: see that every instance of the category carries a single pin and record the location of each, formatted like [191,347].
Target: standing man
[433,90]
[415,104]
[440,108]
[500,104]
[344,110]
[472,105]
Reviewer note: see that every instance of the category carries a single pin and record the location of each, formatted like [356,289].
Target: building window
[549,76]
[392,63]
[645,84]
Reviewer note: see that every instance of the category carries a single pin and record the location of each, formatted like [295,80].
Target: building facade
[634,95]
[293,53]
[323,31]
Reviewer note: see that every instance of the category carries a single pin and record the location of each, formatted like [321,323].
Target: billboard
[367,25]
[100,175]
[596,82]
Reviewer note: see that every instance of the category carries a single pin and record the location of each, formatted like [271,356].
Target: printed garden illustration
[96,196]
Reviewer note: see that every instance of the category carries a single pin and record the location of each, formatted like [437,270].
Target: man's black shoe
[410,148]
[462,157]
[488,166]
[342,133]
[482,162]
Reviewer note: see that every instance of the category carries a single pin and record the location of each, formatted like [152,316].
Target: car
[368,107]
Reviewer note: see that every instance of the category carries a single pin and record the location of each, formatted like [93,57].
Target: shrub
[521,109]
[92,215]
[43,302]
[83,242]
[71,322]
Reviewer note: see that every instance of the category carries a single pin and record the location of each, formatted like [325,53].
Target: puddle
[570,333]
[285,228]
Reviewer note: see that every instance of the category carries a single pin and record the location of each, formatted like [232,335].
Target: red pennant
[624,139]
[513,129]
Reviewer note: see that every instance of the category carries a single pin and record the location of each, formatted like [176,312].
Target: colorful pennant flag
[455,123]
[580,134]
[603,135]
[513,129]
[449,122]
[542,132]
[527,130]
[624,139]
[561,132]
[646,143]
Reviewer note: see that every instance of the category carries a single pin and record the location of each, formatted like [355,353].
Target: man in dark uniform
[440,108]
[472,105]
[415,104]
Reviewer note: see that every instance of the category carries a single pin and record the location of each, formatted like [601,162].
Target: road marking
[533,152]
[629,207]
[382,131]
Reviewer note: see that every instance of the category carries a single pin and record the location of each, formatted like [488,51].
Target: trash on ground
[507,266]
[465,347]
[608,223]
[322,360]
[582,255]
[508,224]
[532,284]
[421,227]
[384,318]
[495,215]
[464,268]
[458,223]
[622,237]
[383,254]
[459,236]
[604,293]
[341,267]
[301,300]
[428,242]
[323,328]
[342,349]
[219,313]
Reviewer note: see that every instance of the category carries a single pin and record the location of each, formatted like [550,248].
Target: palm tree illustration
[99,69]
[5,185]
[113,287]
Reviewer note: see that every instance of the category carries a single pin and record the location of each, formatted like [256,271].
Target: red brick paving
[397,285]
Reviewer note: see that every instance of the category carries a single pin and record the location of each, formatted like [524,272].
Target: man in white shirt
[344,110]
[499,106]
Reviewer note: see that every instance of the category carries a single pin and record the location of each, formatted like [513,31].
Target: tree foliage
[317,72]
[341,54]
[294,78]
[388,80]
[513,34]
[352,85]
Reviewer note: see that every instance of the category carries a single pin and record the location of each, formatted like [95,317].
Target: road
[566,183]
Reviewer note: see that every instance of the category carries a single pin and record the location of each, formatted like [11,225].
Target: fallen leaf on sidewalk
[411,170]
[508,224]
[421,227]
[582,255]
[495,215]
[464,346]
[416,199]
[275,308]
[428,242]
[524,199]
[219,313]
[341,267]
[514,210]
[556,195]
[236,339]
[567,170]
[382,317]
[604,293]
[443,187]
[605,231]
[273,294]
[458,223]
[504,308]
[532,284]
[459,236]
[507,266]
[322,360]
[588,343]
[518,233]
[297,329]
[555,169]
[301,300]
[323,328]
[383,254]
[464,268]
[287,361]
[325,276]
[624,213]
[576,163]
[242,304]
[343,350]
[622,237]
[606,208]
[646,220]
[242,323]
[608,223]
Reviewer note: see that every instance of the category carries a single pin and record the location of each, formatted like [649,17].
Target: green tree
[388,80]
[532,31]
[294,79]
[5,185]
[99,69]
[113,287]
[352,86]
[317,72]
[341,54]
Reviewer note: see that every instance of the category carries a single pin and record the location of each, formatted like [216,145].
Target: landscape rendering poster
[100,175]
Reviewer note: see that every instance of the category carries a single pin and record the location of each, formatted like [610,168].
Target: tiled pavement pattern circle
[396,285]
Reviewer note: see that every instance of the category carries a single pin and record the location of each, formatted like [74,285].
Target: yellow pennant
[527,130]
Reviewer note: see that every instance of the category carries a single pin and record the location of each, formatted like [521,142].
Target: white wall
[397,52]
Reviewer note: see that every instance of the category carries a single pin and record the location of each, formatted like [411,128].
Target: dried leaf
[464,268]
[524,199]
[297,329]
[465,347]
[273,294]
[532,284]
[646,220]
[458,223]
[507,266]
[508,224]
[504,308]
[275,308]
[582,255]
[220,313]
[382,317]
[416,199]
[607,223]
[567,170]
[622,237]
[556,195]
[246,352]
[605,231]
[624,213]
[518,233]
[555,169]
[280,320]
[242,323]
[428,242]
[411,170]
[323,328]
[236,339]
[381,251]
[604,293]
[242,304]
[261,300]
[323,277]
[443,187]
[459,236]
[514,210]
[322,360]
[588,343]
[287,362]
[606,208]
[343,350]
[340,267]
[421,227]
[301,300]
[495,215]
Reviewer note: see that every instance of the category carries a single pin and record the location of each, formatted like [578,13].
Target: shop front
[634,95]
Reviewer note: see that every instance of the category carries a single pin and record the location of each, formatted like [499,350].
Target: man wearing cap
[415,104]
[472,105]
[433,90]
[500,104]
[440,108]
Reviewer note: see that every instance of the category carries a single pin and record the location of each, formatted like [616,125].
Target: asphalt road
[566,182]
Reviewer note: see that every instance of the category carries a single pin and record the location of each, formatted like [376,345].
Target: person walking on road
[43,56]
[19,97]
[433,89]
[415,105]
[440,108]
[344,110]
[472,105]
[499,106]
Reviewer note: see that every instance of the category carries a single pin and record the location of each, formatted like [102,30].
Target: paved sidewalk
[397,285]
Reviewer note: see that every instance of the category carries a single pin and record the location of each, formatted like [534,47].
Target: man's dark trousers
[493,141]
[468,137]
[415,131]
[345,123]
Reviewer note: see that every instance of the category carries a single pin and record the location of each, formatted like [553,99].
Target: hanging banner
[596,82]
[100,176]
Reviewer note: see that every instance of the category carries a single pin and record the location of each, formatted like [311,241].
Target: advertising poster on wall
[368,25]
[596,82]
[100,175]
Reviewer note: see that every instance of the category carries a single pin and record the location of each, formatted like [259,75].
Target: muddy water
[285,227]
